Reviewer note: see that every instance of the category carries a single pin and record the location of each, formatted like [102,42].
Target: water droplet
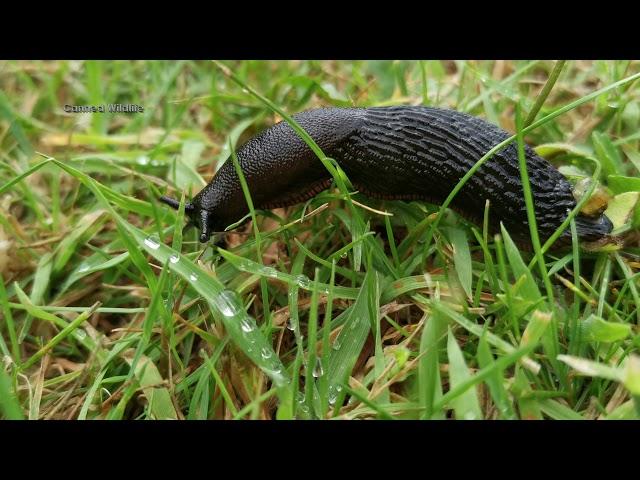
[354,323]
[303,281]
[80,334]
[193,277]
[246,325]
[228,303]
[269,272]
[291,326]
[244,90]
[318,371]
[83,268]
[152,243]
[276,375]
[244,265]
[344,255]
[337,344]
[265,353]
[339,388]
[174,259]
[142,160]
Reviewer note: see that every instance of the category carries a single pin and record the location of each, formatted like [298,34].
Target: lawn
[343,307]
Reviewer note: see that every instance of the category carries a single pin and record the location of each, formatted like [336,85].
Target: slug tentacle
[175,204]
[404,152]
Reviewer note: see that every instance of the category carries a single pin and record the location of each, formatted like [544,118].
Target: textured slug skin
[402,153]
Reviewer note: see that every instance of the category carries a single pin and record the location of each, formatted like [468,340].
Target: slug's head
[593,228]
[201,218]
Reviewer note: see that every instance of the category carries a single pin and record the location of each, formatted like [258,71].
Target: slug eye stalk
[175,204]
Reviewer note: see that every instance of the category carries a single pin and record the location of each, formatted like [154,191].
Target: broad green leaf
[186,174]
[621,184]
[596,329]
[557,410]
[528,289]
[593,369]
[621,208]
[348,345]
[9,405]
[466,406]
[495,381]
[151,383]
[535,328]
[462,258]
[86,227]
[429,385]
[39,288]
[608,154]
[631,378]
[626,411]
[550,149]
[94,263]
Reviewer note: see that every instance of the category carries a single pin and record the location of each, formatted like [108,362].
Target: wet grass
[343,307]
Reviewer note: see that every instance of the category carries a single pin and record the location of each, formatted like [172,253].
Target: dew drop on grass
[303,281]
[193,277]
[174,259]
[83,268]
[152,243]
[142,160]
[291,326]
[228,303]
[337,343]
[265,353]
[354,323]
[244,265]
[334,393]
[246,325]
[269,272]
[276,375]
[318,371]
[80,334]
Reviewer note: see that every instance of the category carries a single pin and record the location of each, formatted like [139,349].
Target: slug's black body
[401,153]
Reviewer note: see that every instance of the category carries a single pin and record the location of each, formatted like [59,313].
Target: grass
[341,308]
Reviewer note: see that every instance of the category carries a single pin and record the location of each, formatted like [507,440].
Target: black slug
[400,153]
